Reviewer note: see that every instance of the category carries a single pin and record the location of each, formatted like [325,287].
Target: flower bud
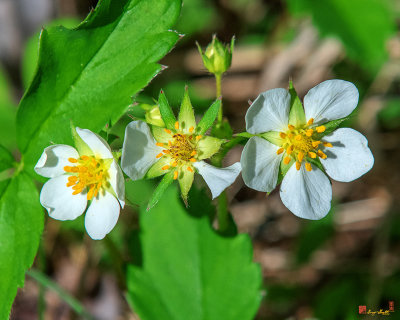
[153,115]
[217,57]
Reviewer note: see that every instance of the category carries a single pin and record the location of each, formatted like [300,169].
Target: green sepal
[186,114]
[185,179]
[80,145]
[297,116]
[273,137]
[244,135]
[160,189]
[209,117]
[283,169]
[166,112]
[155,170]
[208,146]
[160,135]
[330,127]
[317,162]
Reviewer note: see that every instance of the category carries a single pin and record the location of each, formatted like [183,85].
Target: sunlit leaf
[109,57]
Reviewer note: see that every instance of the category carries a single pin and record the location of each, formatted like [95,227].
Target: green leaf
[110,57]
[363,26]
[297,116]
[166,112]
[189,271]
[31,51]
[208,146]
[159,191]
[21,224]
[186,113]
[209,117]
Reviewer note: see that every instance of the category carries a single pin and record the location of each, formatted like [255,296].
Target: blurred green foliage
[362,25]
[7,113]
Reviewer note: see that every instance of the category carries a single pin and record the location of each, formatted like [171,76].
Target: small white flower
[344,153]
[78,177]
[180,151]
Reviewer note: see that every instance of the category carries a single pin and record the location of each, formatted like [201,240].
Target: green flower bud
[153,115]
[218,57]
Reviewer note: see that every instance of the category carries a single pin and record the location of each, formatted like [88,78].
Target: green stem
[218,80]
[74,304]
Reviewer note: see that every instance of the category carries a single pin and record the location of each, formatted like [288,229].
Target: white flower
[298,145]
[151,154]
[78,177]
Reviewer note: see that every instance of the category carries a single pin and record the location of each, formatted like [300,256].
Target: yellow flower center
[300,144]
[180,149]
[88,172]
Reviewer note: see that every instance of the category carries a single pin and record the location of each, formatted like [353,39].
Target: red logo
[362,309]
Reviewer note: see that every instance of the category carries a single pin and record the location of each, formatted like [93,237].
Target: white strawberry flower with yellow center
[78,177]
[178,151]
[300,147]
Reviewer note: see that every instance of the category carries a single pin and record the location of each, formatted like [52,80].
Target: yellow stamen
[280,150]
[176,175]
[166,151]
[312,154]
[310,121]
[160,144]
[328,144]
[159,155]
[290,135]
[167,131]
[300,156]
[73,179]
[309,132]
[199,137]
[77,192]
[169,143]
[90,194]
[193,160]
[286,160]
[193,153]
[190,169]
[320,129]
[308,166]
[291,127]
[290,149]
[321,154]
[298,165]
[174,164]
[315,143]
[166,167]
[72,160]
[282,135]
[177,125]
[69,184]
[298,137]
[191,129]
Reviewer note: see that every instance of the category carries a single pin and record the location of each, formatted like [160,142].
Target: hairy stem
[218,80]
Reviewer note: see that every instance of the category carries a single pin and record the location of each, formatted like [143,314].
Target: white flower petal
[349,158]
[307,194]
[330,100]
[59,201]
[139,150]
[102,216]
[269,112]
[218,179]
[96,143]
[117,182]
[260,164]
[53,160]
